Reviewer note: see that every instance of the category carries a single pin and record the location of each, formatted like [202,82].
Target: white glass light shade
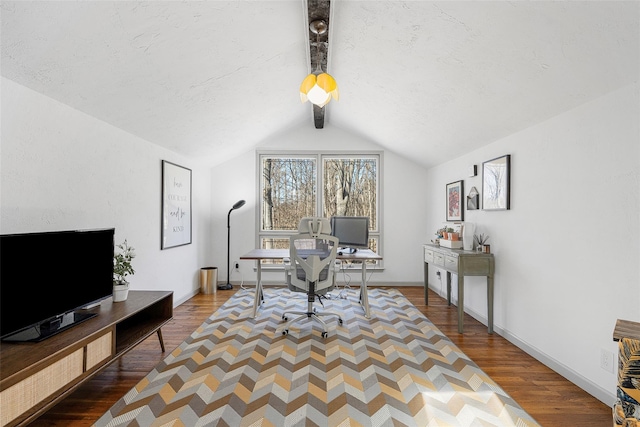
[319,89]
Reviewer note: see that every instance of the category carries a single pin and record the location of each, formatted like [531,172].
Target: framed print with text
[176,205]
[455,206]
[496,185]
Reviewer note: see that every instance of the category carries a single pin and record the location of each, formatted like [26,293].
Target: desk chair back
[311,269]
[313,253]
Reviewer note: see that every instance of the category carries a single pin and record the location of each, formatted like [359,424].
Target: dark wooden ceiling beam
[318,10]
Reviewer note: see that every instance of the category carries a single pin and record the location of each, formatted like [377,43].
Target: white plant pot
[120,292]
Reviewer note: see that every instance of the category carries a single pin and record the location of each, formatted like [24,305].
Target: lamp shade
[319,89]
[238,205]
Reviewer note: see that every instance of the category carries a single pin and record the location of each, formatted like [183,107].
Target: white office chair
[311,268]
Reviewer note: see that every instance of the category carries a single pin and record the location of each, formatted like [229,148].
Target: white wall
[567,253]
[62,169]
[403,205]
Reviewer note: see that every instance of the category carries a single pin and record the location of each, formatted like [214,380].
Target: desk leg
[490,303]
[259,297]
[460,302]
[426,283]
[448,288]
[364,298]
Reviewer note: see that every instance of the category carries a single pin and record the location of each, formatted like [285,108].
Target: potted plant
[452,234]
[121,269]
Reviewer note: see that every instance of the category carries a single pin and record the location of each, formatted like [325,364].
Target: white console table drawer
[438,259]
[428,255]
[451,263]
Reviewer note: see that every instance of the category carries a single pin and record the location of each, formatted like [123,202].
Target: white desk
[362,255]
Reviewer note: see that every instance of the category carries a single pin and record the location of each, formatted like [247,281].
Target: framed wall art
[473,199]
[455,206]
[496,185]
[176,205]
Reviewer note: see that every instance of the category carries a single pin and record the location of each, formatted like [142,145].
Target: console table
[462,263]
[37,375]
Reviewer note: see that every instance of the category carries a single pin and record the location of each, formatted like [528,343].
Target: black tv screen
[47,278]
[351,231]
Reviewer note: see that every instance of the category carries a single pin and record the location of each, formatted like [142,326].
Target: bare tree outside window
[348,186]
[288,194]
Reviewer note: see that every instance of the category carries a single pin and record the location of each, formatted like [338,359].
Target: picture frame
[473,199]
[176,206]
[496,184]
[454,197]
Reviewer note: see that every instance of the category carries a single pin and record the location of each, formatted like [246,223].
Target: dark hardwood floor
[547,396]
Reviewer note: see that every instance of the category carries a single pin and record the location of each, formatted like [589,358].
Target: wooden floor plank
[547,396]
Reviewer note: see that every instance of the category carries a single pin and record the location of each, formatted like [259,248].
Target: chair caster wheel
[285,332]
[285,318]
[324,335]
[340,321]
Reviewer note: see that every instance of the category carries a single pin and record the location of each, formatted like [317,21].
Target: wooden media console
[36,376]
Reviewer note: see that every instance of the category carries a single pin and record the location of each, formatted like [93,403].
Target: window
[293,186]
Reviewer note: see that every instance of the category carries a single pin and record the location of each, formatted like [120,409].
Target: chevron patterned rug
[395,369]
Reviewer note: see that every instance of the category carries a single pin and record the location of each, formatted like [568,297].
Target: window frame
[319,157]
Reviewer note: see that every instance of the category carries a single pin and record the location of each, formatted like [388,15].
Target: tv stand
[37,375]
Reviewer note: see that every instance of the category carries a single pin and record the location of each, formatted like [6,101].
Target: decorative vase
[468,229]
[120,292]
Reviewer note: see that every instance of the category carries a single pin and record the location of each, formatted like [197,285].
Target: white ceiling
[427,80]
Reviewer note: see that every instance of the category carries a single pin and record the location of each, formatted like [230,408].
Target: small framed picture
[496,186]
[473,200]
[176,205]
[455,206]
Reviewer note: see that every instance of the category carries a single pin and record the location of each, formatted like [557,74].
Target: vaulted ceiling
[429,80]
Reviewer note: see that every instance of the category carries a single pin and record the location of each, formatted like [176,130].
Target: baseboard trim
[605,396]
[185,298]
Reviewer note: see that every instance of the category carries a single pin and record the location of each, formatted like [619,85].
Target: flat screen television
[351,231]
[47,280]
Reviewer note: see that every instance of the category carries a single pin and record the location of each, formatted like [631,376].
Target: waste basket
[208,280]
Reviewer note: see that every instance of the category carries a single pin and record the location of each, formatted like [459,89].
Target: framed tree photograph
[176,205]
[496,186]
[455,206]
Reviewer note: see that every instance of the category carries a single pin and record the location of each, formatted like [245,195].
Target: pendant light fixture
[319,87]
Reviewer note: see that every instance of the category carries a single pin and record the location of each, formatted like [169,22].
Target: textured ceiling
[427,80]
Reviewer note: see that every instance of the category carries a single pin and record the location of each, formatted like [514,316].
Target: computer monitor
[352,232]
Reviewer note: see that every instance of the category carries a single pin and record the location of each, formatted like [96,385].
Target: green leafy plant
[122,263]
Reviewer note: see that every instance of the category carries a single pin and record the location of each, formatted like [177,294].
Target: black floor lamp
[228,285]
